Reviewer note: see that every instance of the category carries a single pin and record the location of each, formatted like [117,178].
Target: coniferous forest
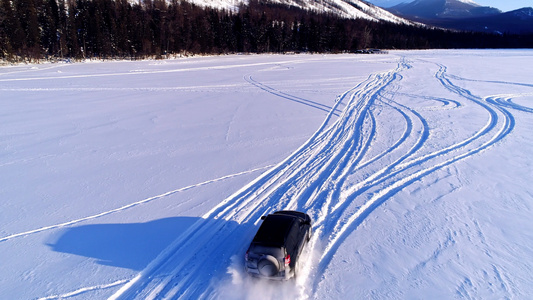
[54,29]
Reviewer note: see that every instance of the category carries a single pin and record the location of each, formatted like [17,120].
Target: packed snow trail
[318,179]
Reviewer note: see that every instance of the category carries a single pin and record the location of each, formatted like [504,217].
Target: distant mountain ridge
[439,9]
[466,15]
[518,21]
[344,8]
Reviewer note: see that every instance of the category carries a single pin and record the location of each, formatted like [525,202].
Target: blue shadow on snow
[131,246]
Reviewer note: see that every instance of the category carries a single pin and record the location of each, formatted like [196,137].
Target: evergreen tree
[31,29]
[26,12]
[49,24]
[11,33]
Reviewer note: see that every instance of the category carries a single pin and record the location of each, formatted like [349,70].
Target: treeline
[37,29]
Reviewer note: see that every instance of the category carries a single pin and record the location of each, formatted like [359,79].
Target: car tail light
[246,256]
[287,260]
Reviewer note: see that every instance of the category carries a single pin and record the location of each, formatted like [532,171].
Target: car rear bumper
[283,275]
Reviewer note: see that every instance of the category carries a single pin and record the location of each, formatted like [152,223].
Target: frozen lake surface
[147,179]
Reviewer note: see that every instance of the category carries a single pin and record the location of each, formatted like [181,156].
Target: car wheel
[268,265]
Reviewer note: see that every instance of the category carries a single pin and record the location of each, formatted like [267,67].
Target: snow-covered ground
[147,179]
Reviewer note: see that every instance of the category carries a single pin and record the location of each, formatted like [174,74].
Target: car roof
[294,213]
[274,230]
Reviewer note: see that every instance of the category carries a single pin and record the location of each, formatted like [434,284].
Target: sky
[506,5]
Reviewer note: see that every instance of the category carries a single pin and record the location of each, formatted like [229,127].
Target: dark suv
[277,245]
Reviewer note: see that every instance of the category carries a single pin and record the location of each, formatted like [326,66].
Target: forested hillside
[49,29]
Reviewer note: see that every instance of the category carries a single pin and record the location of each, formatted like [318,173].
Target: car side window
[302,231]
[292,239]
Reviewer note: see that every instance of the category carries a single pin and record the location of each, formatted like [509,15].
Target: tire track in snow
[84,290]
[507,101]
[122,208]
[284,95]
[498,129]
[490,81]
[446,102]
[344,200]
[217,87]
[396,168]
[315,179]
[334,209]
[162,275]
[177,274]
[144,72]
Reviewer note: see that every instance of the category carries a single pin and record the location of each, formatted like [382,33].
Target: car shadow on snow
[131,246]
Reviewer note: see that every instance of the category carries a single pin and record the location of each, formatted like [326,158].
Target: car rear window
[273,230]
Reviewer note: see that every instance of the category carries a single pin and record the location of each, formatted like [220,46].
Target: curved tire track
[315,178]
[176,273]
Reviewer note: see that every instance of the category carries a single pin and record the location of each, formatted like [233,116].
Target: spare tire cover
[268,265]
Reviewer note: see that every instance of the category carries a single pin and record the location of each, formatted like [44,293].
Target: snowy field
[147,179]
